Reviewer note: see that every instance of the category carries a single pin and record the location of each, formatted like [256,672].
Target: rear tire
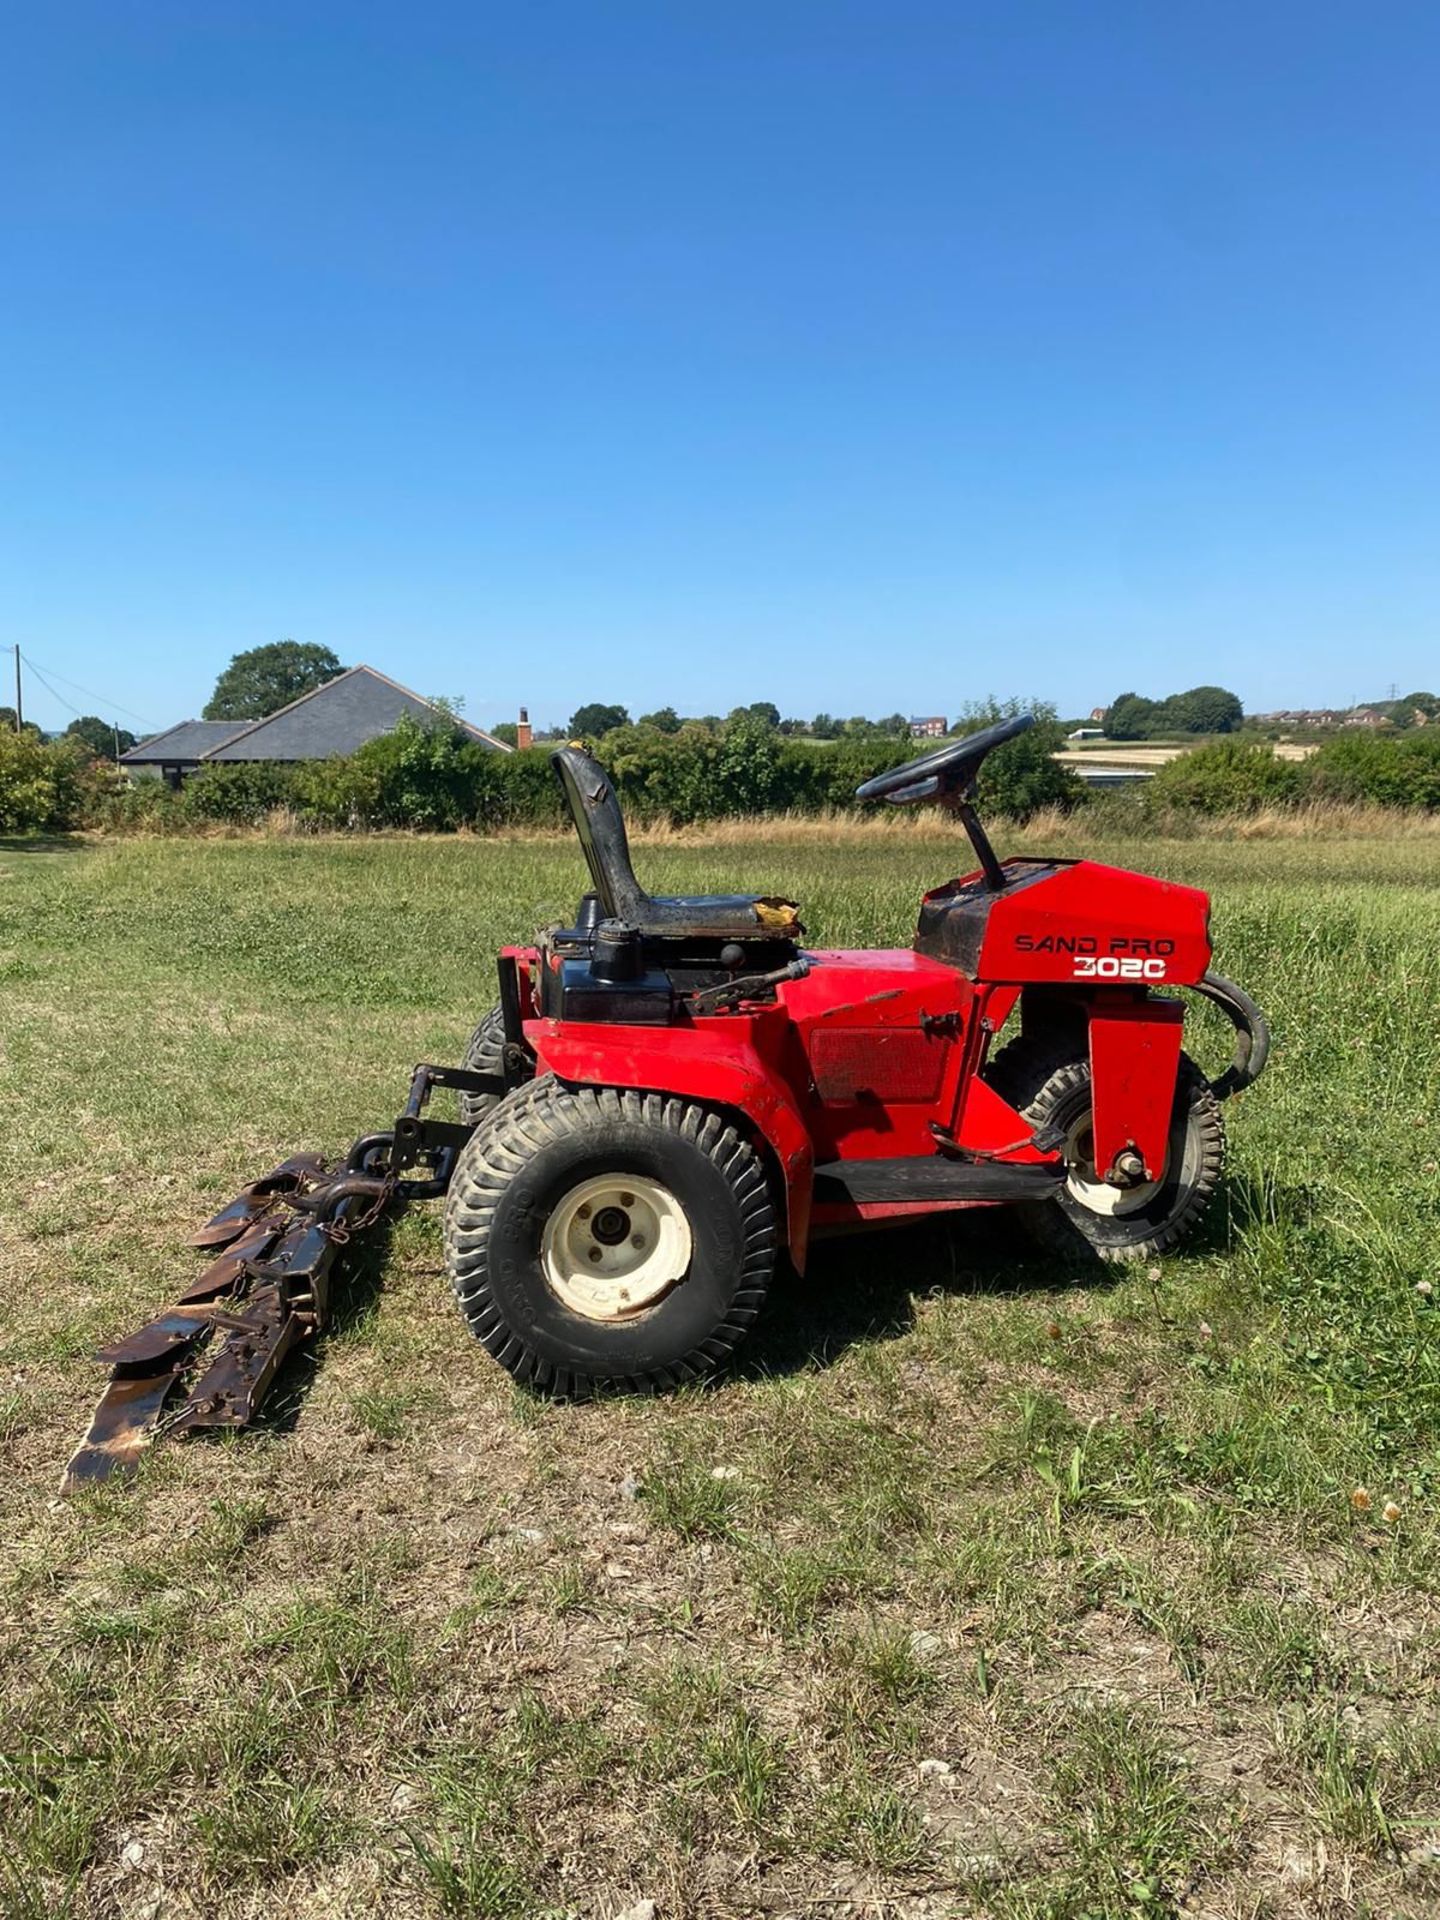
[1044,1079]
[604,1238]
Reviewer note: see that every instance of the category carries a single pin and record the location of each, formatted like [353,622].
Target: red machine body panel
[1134,1058]
[878,1054]
[1087,923]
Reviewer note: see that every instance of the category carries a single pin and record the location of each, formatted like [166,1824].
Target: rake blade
[257,1199]
[267,1290]
[121,1429]
[164,1339]
[229,1392]
[226,1274]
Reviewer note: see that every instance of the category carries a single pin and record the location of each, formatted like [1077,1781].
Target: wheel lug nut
[637,1239]
[583,1213]
[594,1253]
[627,1199]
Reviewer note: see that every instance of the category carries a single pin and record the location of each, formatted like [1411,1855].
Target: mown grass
[982,1588]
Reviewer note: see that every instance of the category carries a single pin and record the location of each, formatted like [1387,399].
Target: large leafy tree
[1129,717]
[591,721]
[1204,710]
[103,740]
[264,679]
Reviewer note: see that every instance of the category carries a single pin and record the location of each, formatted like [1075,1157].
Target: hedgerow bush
[1395,771]
[436,779]
[46,786]
[1228,777]
[244,794]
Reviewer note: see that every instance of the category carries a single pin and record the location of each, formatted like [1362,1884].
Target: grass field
[983,1589]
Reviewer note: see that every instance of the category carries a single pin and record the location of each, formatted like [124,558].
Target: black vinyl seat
[601,827]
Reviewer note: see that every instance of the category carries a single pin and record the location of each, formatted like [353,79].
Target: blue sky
[854,356]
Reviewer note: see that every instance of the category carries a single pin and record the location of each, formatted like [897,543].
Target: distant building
[932,727]
[180,749]
[1366,717]
[1087,733]
[1306,719]
[355,707]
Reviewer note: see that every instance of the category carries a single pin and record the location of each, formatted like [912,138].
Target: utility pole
[19,709]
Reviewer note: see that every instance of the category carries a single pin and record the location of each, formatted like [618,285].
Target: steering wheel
[948,771]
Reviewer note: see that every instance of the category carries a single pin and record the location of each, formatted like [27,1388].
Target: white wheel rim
[1084,1184]
[615,1245]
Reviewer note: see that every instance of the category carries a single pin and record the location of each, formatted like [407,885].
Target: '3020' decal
[1115,966]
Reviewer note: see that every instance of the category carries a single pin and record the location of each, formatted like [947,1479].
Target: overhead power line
[50,690]
[89,694]
[111,706]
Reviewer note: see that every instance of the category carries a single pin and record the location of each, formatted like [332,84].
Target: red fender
[718,1063]
[1134,1061]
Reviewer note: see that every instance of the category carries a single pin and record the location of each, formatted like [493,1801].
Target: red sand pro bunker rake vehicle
[674,1093]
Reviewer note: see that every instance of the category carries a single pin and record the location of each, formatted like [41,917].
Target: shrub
[1022,777]
[529,794]
[1228,777]
[47,786]
[1388,771]
[142,806]
[431,777]
[242,794]
[340,794]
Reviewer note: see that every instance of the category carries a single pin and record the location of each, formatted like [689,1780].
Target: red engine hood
[1087,922]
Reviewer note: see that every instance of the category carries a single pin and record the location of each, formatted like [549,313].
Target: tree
[103,740]
[765,712]
[1023,776]
[1129,717]
[825,727]
[590,722]
[663,720]
[507,731]
[264,679]
[1203,710]
[1415,710]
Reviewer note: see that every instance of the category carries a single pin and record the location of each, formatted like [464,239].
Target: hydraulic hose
[1252,1033]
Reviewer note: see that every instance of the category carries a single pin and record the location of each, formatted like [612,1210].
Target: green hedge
[1401,771]
[1394,770]
[435,779]
[1229,777]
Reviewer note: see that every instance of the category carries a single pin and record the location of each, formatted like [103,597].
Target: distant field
[1020,1595]
[1119,753]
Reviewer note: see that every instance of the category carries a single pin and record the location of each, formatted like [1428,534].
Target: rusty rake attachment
[209,1360]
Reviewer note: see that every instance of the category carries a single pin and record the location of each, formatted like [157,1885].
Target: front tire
[605,1238]
[484,1053]
[1045,1080]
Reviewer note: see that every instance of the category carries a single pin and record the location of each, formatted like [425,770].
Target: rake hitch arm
[212,1357]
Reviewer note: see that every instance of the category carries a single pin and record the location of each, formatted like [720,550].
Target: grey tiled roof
[342,715]
[183,745]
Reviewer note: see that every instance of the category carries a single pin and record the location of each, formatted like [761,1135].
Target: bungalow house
[354,707]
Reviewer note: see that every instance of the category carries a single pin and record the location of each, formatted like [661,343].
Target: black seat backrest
[601,827]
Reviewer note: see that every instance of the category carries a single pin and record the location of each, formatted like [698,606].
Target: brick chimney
[523,735]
